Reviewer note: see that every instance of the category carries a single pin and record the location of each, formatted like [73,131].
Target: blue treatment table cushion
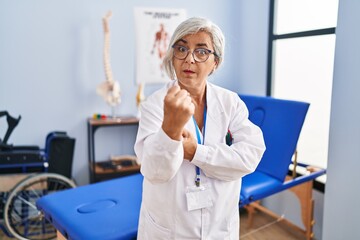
[281,122]
[106,210]
[258,185]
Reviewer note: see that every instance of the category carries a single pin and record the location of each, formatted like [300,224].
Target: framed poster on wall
[153,29]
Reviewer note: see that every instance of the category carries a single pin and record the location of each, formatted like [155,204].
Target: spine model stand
[109,89]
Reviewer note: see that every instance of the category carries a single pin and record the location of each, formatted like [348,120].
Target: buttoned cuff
[201,155]
[166,143]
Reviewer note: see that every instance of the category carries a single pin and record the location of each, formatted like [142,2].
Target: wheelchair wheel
[23,220]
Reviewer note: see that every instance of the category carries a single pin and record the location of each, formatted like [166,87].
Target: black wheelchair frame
[48,170]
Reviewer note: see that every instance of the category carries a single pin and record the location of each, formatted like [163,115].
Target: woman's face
[192,74]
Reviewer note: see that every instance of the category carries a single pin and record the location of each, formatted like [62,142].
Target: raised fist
[178,108]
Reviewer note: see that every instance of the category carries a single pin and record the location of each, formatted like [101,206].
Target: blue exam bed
[106,210]
[110,210]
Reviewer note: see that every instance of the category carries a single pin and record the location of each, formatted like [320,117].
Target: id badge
[198,197]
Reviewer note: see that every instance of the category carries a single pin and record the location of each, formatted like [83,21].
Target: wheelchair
[47,171]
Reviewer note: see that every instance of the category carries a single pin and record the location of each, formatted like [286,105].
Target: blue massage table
[281,122]
[110,210]
[106,210]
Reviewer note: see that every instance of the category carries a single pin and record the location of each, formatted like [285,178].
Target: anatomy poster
[154,27]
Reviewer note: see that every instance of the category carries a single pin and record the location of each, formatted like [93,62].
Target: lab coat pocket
[153,230]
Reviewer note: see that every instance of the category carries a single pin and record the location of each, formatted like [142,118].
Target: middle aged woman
[192,178]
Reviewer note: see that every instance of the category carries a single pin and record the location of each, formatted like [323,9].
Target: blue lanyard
[197,180]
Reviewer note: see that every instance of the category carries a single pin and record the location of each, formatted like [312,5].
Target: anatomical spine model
[109,89]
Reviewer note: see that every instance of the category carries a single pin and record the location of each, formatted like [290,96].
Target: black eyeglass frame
[188,51]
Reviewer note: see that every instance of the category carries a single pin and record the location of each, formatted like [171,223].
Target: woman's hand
[178,108]
[189,144]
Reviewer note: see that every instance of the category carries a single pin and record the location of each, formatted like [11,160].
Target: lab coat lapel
[215,115]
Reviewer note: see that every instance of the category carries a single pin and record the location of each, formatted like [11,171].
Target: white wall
[51,63]
[342,196]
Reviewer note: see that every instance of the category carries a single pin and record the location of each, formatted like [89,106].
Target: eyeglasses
[199,54]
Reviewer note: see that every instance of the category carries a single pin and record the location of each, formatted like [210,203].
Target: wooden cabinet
[109,169]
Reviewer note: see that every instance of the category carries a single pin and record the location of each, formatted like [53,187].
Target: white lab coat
[164,213]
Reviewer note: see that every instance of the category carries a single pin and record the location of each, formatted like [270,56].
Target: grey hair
[193,26]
